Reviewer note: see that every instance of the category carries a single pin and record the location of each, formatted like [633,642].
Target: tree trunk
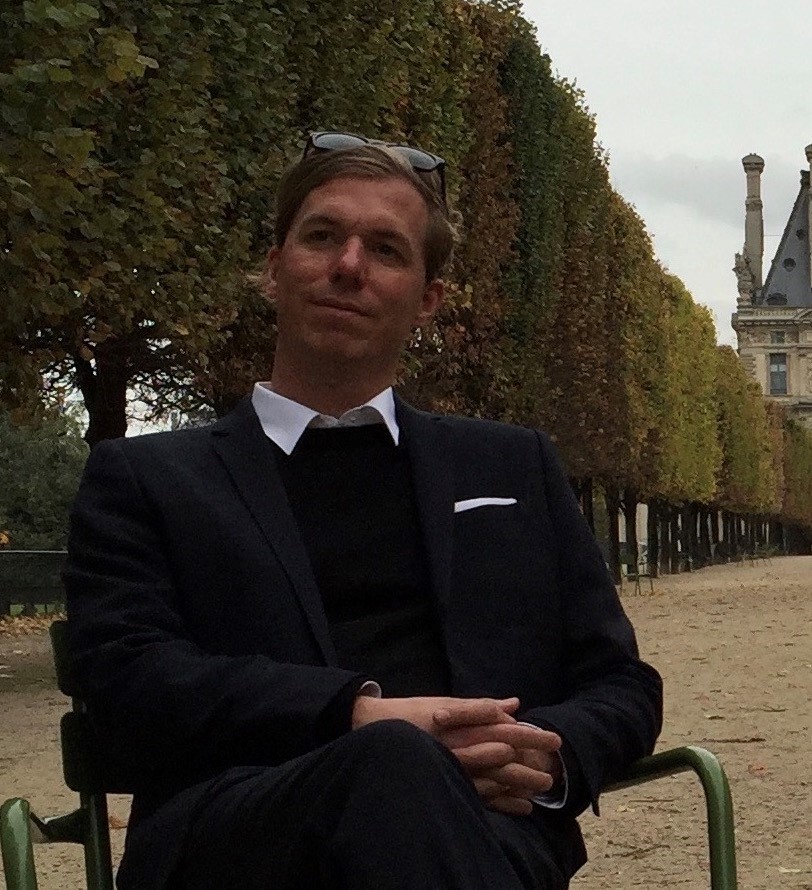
[653,534]
[705,515]
[587,503]
[776,535]
[104,392]
[612,512]
[664,518]
[674,534]
[688,537]
[752,525]
[714,534]
[583,493]
[735,536]
[630,516]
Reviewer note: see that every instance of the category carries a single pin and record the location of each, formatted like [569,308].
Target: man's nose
[351,258]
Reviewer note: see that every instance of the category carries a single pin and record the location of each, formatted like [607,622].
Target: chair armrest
[718,802]
[16,843]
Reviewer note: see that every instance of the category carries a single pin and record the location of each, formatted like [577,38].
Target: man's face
[349,281]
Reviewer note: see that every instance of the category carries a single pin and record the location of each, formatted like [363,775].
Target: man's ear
[432,299]
[269,273]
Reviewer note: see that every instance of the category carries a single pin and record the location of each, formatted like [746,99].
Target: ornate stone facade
[773,321]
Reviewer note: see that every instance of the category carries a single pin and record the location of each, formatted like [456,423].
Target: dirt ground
[734,645]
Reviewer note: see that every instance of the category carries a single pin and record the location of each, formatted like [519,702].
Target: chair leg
[718,802]
[98,859]
[16,845]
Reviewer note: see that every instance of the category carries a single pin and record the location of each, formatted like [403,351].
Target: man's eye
[387,250]
[319,236]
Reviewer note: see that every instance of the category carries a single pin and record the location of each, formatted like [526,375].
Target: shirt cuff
[336,718]
[555,798]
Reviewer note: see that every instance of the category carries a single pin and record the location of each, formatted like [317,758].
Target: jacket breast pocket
[503,613]
[497,562]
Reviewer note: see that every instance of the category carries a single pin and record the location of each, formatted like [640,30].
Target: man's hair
[368,162]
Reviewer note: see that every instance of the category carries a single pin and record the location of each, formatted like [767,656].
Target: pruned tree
[40,466]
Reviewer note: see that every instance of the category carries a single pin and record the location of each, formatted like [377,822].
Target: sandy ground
[734,646]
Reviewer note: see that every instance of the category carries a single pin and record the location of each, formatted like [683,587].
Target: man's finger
[510,705]
[487,789]
[485,756]
[519,778]
[514,734]
[510,806]
[472,712]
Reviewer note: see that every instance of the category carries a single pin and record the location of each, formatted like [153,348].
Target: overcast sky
[682,90]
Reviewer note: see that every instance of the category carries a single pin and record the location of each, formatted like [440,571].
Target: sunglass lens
[419,159]
[333,141]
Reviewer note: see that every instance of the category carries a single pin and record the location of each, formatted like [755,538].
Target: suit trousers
[385,807]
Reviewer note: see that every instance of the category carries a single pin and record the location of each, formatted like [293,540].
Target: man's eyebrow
[390,234]
[320,219]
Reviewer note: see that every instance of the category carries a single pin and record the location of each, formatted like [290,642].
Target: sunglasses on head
[421,161]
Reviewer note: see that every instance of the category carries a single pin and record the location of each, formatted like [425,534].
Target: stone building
[773,318]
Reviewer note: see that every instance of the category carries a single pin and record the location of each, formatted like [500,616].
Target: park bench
[88,772]
[30,581]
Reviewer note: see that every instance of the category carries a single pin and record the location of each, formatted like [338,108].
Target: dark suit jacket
[201,643]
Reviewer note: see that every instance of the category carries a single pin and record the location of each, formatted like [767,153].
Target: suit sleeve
[612,712]
[171,711]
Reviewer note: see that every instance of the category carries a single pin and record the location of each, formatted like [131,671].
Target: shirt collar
[283,421]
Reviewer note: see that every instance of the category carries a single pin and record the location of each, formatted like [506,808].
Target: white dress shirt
[283,421]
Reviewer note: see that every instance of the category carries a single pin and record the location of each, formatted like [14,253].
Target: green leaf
[59,75]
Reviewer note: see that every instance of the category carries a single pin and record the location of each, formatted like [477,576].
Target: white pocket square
[473,503]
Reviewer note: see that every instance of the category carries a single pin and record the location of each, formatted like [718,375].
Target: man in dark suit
[340,642]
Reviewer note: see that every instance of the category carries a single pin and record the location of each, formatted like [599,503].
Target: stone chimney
[754,219]
[808,150]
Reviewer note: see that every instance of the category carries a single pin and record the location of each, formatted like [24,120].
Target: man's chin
[338,346]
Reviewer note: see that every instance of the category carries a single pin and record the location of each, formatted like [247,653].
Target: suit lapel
[249,459]
[433,475]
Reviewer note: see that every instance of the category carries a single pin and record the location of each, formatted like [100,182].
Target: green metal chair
[88,772]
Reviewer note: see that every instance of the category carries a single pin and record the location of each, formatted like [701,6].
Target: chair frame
[88,825]
[633,572]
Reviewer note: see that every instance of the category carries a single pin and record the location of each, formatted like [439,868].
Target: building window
[778,373]
[778,337]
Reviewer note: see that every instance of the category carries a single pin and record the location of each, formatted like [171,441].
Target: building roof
[789,282]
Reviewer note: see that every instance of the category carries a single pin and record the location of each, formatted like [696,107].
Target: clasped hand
[508,763]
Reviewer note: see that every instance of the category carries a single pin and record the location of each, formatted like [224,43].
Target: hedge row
[138,157]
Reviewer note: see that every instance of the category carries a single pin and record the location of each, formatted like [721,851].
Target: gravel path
[734,644]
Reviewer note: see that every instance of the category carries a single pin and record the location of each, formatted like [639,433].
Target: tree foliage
[634,345]
[116,242]
[40,466]
[747,476]
[138,158]
[684,451]
[797,502]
